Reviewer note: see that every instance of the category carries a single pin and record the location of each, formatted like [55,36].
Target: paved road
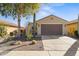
[53,46]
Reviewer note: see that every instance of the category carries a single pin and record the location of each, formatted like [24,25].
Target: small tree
[18,10]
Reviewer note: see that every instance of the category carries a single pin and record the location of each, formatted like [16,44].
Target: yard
[49,45]
[5,48]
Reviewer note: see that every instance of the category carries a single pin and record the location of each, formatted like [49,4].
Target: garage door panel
[51,29]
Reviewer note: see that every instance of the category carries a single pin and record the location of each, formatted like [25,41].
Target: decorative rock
[16,43]
[34,41]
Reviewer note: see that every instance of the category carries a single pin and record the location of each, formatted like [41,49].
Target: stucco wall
[10,29]
[71,28]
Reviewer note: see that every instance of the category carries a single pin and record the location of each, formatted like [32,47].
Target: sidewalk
[38,53]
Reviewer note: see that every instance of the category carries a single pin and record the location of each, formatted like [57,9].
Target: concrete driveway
[61,45]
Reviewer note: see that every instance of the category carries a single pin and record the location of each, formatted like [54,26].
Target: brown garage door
[51,29]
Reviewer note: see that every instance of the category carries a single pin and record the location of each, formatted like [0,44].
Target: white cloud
[46,9]
[42,14]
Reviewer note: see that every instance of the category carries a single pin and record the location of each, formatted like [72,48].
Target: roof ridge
[4,22]
[51,15]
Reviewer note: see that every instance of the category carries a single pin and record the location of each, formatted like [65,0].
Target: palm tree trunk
[34,25]
[19,26]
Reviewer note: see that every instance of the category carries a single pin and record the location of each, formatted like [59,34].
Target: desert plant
[23,32]
[3,31]
[11,33]
[29,37]
[76,33]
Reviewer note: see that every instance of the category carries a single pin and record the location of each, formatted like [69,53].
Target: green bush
[29,37]
[11,33]
[76,33]
[3,31]
[23,32]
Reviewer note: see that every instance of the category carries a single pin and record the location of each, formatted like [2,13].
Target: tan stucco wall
[10,29]
[51,20]
[71,28]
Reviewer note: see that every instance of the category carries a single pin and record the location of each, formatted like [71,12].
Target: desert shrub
[3,31]
[76,33]
[29,37]
[23,32]
[11,33]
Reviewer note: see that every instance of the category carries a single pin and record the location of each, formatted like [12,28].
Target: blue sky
[67,11]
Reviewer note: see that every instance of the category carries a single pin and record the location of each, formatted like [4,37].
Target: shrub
[23,32]
[76,33]
[3,31]
[29,37]
[11,34]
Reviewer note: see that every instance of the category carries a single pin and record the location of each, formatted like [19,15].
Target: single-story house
[71,27]
[50,25]
[10,27]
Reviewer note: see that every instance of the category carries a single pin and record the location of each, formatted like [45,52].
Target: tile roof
[73,21]
[6,23]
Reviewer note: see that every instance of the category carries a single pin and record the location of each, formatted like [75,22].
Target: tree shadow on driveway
[73,49]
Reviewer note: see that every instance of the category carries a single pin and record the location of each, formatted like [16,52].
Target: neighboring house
[72,27]
[50,25]
[10,27]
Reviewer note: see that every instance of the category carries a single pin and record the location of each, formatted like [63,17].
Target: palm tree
[18,10]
